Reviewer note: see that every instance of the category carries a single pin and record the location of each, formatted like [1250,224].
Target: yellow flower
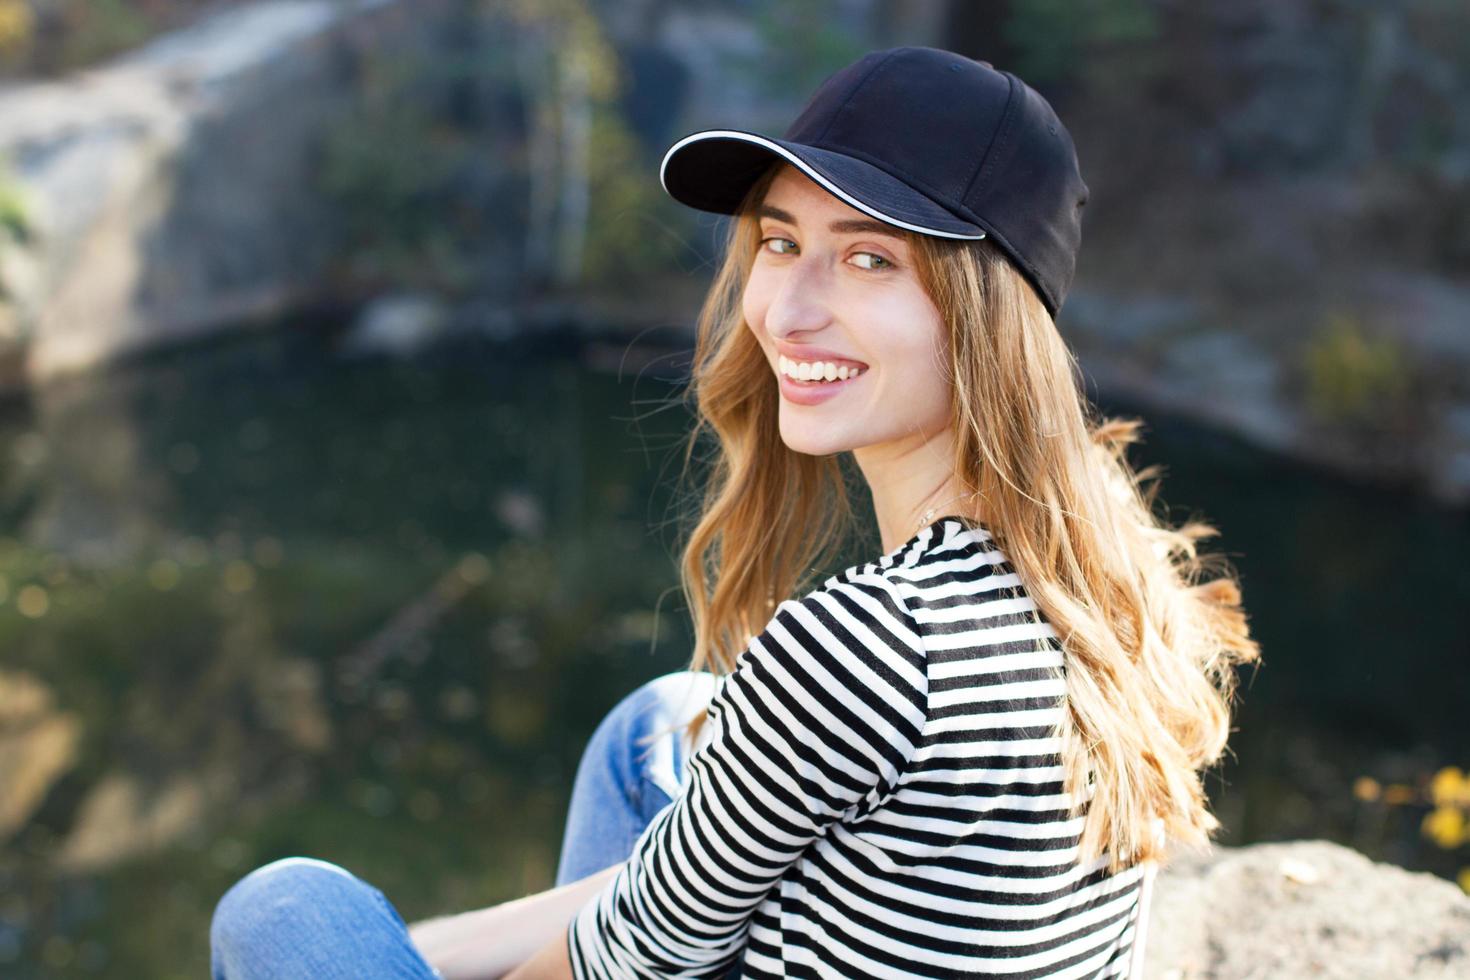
[16,21]
[1450,787]
[1464,879]
[1366,788]
[1445,825]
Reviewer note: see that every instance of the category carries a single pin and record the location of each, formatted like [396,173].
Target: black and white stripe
[880,797]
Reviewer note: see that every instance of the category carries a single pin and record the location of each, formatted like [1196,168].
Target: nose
[802,301]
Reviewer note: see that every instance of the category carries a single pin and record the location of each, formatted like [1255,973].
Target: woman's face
[832,285]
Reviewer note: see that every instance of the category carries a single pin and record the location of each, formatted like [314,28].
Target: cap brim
[712,170]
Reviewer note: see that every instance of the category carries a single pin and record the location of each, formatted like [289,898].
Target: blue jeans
[303,918]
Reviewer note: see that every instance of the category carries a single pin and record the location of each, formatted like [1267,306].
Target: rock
[522,512]
[171,190]
[119,819]
[1110,320]
[1427,312]
[37,747]
[1165,353]
[1175,355]
[398,325]
[1452,478]
[1232,381]
[1303,909]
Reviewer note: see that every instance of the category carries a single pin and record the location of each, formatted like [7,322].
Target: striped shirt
[881,797]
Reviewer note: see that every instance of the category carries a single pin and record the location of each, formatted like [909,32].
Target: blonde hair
[1149,644]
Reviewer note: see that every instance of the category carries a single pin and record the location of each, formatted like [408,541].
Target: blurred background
[341,347]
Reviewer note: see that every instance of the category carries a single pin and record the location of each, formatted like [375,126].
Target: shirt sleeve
[817,721]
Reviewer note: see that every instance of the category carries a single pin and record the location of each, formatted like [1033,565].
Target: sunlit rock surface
[1304,909]
[170,190]
[398,324]
[37,746]
[119,819]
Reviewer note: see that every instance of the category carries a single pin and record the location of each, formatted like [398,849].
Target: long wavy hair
[1151,628]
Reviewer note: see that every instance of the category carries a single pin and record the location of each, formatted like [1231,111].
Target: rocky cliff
[1303,909]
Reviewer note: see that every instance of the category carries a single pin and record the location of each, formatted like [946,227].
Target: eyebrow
[845,226]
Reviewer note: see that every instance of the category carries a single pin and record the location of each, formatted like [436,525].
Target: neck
[907,478]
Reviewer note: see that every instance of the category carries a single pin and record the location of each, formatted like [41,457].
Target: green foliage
[389,165]
[1352,377]
[15,228]
[57,36]
[434,197]
[1056,39]
[17,24]
[628,234]
[802,44]
[13,224]
[98,29]
[625,238]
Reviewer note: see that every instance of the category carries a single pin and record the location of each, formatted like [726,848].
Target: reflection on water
[260,600]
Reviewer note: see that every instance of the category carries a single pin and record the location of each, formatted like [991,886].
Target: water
[261,599]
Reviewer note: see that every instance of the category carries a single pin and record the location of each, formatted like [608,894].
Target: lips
[813,392]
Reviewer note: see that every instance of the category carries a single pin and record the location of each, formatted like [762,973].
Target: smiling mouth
[816,373]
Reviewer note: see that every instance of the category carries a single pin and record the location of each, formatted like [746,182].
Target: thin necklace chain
[932,511]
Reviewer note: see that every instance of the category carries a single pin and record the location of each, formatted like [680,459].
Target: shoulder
[956,563]
[865,617]
[853,619]
[886,598]
[853,634]
[871,619]
[861,611]
[847,662]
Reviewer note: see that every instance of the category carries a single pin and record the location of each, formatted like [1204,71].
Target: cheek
[755,300]
[916,380]
[918,359]
[910,336]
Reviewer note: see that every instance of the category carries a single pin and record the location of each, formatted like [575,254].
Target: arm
[551,963]
[487,943]
[820,717]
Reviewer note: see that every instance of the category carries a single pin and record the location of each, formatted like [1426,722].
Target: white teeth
[815,370]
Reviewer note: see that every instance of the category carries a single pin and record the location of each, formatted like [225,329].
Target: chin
[812,443]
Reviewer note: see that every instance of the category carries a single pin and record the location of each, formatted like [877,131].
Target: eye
[886,264]
[786,240]
[874,267]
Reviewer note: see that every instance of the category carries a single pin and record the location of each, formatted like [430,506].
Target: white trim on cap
[805,168]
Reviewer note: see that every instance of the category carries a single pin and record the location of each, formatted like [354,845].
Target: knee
[679,695]
[273,897]
[669,700]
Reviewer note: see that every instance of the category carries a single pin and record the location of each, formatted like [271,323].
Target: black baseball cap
[923,139]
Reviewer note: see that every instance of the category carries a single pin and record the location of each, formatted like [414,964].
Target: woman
[962,758]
